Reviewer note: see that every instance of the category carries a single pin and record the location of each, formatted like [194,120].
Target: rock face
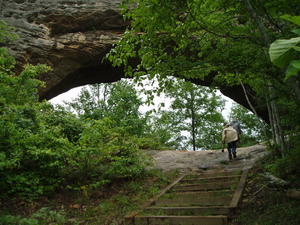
[72,36]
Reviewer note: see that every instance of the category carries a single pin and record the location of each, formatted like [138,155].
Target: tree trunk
[272,107]
[251,106]
[193,120]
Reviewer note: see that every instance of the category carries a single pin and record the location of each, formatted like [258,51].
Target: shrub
[107,151]
[287,166]
[31,155]
[41,217]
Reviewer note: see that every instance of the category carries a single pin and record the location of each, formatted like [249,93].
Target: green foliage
[191,39]
[287,167]
[118,101]
[91,102]
[69,124]
[284,53]
[197,110]
[274,209]
[195,39]
[22,89]
[279,51]
[6,33]
[31,155]
[253,129]
[123,107]
[123,197]
[293,19]
[161,133]
[111,149]
[17,220]
[43,148]
[41,217]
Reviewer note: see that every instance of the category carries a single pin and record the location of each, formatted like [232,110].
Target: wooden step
[208,201]
[193,200]
[214,174]
[231,185]
[197,194]
[210,179]
[180,220]
[187,211]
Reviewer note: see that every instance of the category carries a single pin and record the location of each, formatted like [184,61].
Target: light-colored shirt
[229,135]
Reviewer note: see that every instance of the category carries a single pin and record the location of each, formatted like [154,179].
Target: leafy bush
[110,150]
[42,148]
[17,220]
[68,123]
[31,155]
[41,217]
[289,164]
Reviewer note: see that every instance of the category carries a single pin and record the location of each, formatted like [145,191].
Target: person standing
[229,137]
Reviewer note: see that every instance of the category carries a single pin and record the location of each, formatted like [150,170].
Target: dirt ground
[209,159]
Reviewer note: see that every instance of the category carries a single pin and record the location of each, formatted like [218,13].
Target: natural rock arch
[72,36]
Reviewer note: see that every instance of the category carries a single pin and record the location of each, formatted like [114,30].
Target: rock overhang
[73,36]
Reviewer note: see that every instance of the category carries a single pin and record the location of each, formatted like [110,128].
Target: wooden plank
[206,186]
[152,200]
[216,177]
[214,174]
[196,200]
[187,211]
[210,179]
[198,194]
[239,191]
[181,220]
[210,201]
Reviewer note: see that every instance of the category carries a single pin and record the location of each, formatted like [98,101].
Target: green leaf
[293,19]
[279,51]
[292,69]
[296,31]
[296,48]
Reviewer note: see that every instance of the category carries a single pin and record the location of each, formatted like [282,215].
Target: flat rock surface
[209,159]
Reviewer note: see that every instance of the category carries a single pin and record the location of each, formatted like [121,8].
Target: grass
[106,206]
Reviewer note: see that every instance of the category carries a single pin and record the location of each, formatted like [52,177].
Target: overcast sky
[73,93]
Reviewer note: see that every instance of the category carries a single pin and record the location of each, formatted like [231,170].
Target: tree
[42,147]
[163,131]
[192,38]
[284,53]
[32,156]
[91,102]
[123,106]
[118,101]
[253,128]
[197,110]
[224,39]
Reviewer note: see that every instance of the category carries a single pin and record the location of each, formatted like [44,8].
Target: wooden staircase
[201,198]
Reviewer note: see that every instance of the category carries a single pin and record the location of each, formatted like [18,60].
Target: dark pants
[231,146]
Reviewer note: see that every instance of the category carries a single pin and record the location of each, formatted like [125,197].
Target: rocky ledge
[71,36]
